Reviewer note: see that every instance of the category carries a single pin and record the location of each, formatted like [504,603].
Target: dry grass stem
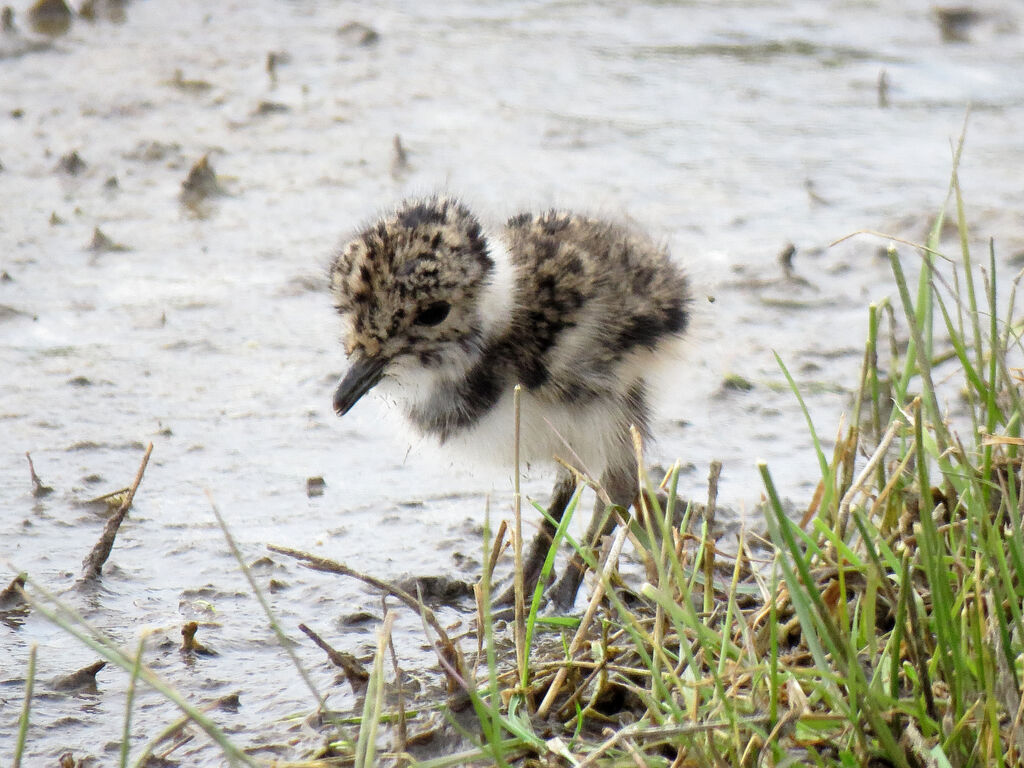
[93,564]
[325,565]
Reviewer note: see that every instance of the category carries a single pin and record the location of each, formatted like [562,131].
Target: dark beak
[360,379]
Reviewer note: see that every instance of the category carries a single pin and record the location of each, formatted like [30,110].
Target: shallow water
[729,130]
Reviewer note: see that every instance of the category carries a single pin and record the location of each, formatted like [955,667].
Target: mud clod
[50,17]
[315,486]
[101,243]
[153,151]
[190,645]
[83,679]
[357,33]
[10,596]
[112,10]
[437,589]
[955,23]
[72,164]
[201,182]
[271,108]
[188,85]
[736,383]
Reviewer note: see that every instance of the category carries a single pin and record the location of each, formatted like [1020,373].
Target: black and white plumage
[448,319]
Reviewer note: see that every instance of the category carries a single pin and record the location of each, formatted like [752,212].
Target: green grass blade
[826,475]
[283,640]
[129,702]
[109,650]
[561,533]
[26,707]
[373,701]
[923,357]
[801,592]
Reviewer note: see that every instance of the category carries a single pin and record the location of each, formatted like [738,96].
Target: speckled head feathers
[408,290]
[412,276]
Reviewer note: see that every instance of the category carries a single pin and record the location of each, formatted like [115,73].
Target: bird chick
[449,319]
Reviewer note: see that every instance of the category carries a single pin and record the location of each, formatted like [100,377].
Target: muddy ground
[132,311]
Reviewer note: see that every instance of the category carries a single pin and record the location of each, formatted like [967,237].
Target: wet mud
[173,179]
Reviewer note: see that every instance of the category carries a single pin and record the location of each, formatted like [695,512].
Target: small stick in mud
[497,549]
[93,564]
[190,645]
[786,260]
[446,651]
[399,158]
[181,737]
[38,489]
[354,673]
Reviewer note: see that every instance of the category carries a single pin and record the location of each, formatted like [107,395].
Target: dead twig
[447,650]
[860,485]
[403,730]
[38,489]
[176,731]
[93,564]
[709,545]
[354,672]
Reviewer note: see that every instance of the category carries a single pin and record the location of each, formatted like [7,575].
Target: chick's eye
[434,314]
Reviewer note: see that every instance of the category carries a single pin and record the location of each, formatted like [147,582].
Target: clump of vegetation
[883,628]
